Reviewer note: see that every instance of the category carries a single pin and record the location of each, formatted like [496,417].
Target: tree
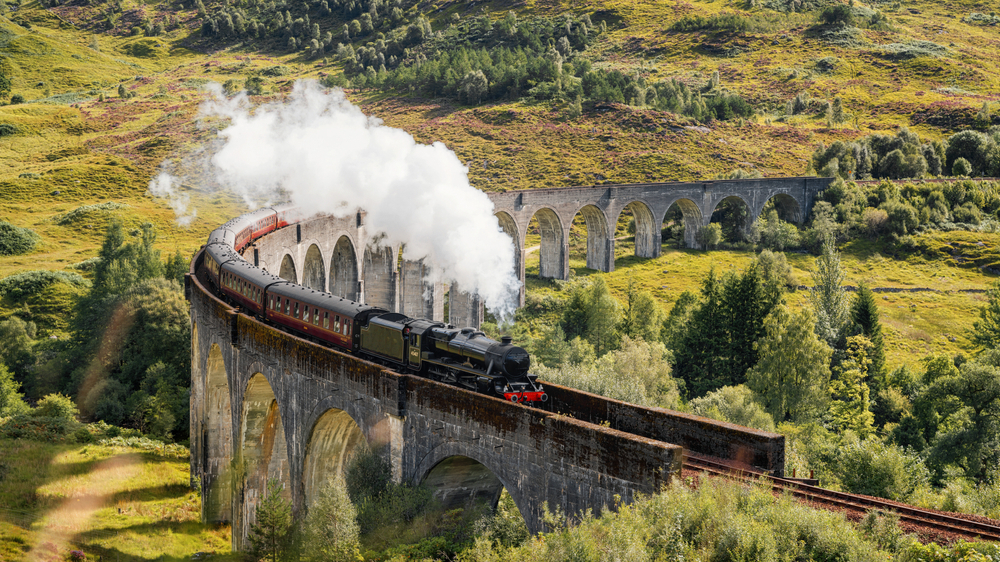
[701,352]
[122,92]
[16,353]
[269,534]
[849,393]
[961,168]
[972,433]
[864,314]
[603,313]
[11,400]
[838,14]
[331,527]
[829,299]
[474,86]
[745,305]
[642,317]
[793,372]
[709,236]
[985,332]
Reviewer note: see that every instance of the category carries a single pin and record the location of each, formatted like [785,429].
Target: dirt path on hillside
[83,498]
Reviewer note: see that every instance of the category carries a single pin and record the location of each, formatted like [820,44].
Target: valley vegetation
[878,390]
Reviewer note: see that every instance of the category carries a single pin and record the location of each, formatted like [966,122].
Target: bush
[15,240]
[887,471]
[36,428]
[961,168]
[839,14]
[57,406]
[16,99]
[912,50]
[32,282]
[6,129]
[87,212]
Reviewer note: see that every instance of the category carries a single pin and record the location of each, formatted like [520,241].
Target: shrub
[961,168]
[57,406]
[16,99]
[275,71]
[36,428]
[6,129]
[838,14]
[87,212]
[15,240]
[887,471]
[912,50]
[31,282]
[709,236]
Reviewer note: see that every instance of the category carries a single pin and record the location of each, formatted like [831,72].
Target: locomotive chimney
[506,340]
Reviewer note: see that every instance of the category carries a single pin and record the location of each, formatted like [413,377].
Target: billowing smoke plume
[323,153]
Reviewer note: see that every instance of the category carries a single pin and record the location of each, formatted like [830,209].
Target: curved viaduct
[266,404]
[602,206]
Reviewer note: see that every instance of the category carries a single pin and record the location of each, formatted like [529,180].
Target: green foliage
[271,532]
[865,315]
[330,531]
[829,299]
[88,212]
[11,400]
[37,428]
[793,372]
[849,392]
[642,317]
[709,236]
[838,14]
[504,527]
[28,283]
[876,469]
[57,406]
[639,372]
[985,332]
[7,129]
[717,347]
[380,501]
[15,240]
[733,404]
[594,315]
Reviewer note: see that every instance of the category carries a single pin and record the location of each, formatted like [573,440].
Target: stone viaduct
[339,255]
[266,404]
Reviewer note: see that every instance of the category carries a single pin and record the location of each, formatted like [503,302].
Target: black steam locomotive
[461,357]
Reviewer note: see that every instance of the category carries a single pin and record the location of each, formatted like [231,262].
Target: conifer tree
[829,299]
[986,331]
[849,393]
[270,532]
[331,527]
[864,314]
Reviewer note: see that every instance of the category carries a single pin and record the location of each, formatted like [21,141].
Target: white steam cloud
[323,153]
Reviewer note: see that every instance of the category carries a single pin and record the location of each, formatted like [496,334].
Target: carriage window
[287,306]
[326,320]
[315,317]
[347,327]
[270,302]
[296,314]
[336,324]
[305,313]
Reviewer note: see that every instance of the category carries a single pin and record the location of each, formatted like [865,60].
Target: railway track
[850,502]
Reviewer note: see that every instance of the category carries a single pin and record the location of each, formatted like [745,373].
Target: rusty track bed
[850,502]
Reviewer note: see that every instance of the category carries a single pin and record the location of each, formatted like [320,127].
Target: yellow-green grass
[916,323]
[136,505]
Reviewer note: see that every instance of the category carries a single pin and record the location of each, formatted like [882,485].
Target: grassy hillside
[78,144]
[121,501]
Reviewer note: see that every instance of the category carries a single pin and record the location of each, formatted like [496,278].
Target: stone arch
[218,436]
[552,249]
[313,269]
[262,443]
[787,206]
[333,439]
[380,276]
[647,239]
[344,270]
[690,216]
[735,215]
[287,271]
[600,246]
[459,480]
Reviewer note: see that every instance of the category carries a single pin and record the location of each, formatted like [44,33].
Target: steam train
[462,357]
